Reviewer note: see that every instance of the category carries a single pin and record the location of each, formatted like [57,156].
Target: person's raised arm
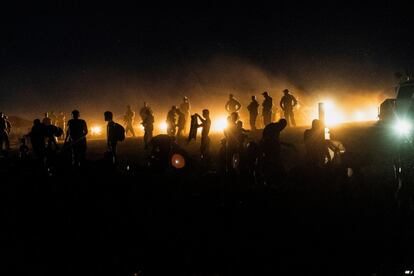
[226,106]
[238,105]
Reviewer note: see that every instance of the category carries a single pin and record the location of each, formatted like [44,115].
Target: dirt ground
[203,222]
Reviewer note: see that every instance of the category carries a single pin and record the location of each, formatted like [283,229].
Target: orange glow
[178,161]
[162,127]
[219,124]
[96,130]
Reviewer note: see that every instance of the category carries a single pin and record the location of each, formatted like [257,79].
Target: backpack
[119,132]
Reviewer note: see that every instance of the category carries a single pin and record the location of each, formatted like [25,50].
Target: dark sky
[63,61]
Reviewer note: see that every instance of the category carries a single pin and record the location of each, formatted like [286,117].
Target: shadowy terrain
[201,221]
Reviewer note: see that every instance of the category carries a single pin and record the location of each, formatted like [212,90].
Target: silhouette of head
[265,94]
[174,108]
[231,96]
[47,114]
[234,117]
[240,124]
[206,113]
[316,124]
[286,91]
[1,115]
[75,114]
[108,116]
[253,98]
[282,124]
[36,122]
[185,99]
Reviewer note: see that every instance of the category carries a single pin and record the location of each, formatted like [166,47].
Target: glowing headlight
[403,127]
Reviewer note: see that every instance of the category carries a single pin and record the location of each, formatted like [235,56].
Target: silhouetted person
[272,164]
[148,124]
[114,134]
[181,123]
[4,135]
[52,132]
[232,105]
[37,139]
[76,136]
[205,140]
[231,133]
[129,120]
[172,121]
[315,144]
[46,120]
[287,103]
[8,131]
[253,108]
[61,122]
[53,118]
[241,133]
[23,149]
[267,106]
[185,108]
[144,111]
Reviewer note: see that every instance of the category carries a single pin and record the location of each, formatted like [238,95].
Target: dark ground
[193,222]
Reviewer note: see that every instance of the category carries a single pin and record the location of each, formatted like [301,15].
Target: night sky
[98,62]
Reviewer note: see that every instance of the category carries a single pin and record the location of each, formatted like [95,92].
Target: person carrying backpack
[114,133]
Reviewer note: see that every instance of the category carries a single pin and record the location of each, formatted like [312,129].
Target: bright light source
[360,116]
[96,130]
[332,115]
[403,127]
[328,105]
[219,124]
[141,127]
[163,127]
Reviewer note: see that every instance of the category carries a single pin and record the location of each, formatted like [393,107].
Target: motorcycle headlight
[403,127]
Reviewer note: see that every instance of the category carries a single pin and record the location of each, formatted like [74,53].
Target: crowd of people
[180,124]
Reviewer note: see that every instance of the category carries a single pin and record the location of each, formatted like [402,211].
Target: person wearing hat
[287,103]
[232,105]
[267,106]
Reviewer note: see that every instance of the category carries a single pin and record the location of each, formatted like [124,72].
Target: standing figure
[53,118]
[129,120]
[267,108]
[185,108]
[4,136]
[46,120]
[8,131]
[148,124]
[287,103]
[37,137]
[172,121]
[181,123]
[76,136]
[205,140]
[232,105]
[253,108]
[61,122]
[111,135]
[144,111]
[114,134]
